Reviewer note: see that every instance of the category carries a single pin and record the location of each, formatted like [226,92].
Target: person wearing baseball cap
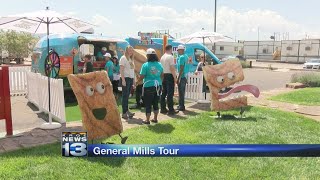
[152,74]
[100,54]
[109,65]
[182,67]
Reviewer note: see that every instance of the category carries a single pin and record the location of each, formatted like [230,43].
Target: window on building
[308,48]
[221,48]
[265,51]
[289,48]
[236,49]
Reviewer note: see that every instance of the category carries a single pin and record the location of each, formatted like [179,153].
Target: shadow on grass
[134,121]
[184,115]
[229,117]
[161,128]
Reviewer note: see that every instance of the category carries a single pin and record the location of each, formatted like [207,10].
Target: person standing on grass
[116,75]
[169,81]
[127,76]
[109,65]
[88,66]
[182,77]
[152,75]
[199,68]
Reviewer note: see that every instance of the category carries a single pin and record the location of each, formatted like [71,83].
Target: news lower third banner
[75,144]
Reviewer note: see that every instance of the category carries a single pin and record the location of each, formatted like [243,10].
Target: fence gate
[5,104]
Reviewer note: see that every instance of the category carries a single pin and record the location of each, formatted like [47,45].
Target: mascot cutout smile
[221,76]
[100,114]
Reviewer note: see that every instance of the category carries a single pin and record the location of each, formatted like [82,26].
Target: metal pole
[48,49]
[319,49]
[274,39]
[215,24]
[298,50]
[215,15]
[258,44]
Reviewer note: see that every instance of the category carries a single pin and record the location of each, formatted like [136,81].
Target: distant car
[233,57]
[312,64]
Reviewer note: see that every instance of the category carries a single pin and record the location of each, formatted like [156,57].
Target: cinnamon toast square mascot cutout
[221,76]
[100,114]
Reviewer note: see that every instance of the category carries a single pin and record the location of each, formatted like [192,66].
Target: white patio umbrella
[45,22]
[203,37]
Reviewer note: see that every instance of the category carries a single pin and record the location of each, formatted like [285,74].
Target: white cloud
[100,20]
[230,22]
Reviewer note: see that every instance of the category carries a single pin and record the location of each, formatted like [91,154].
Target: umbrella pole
[50,125]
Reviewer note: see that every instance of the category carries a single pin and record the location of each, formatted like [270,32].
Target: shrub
[270,67]
[308,79]
[245,64]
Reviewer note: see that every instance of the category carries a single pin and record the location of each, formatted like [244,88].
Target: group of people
[112,66]
[157,76]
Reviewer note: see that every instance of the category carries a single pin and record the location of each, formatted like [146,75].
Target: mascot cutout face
[100,115]
[221,76]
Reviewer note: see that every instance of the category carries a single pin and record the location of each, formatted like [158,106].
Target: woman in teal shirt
[152,75]
[109,66]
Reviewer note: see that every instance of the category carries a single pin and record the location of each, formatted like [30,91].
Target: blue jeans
[125,94]
[167,92]
[182,91]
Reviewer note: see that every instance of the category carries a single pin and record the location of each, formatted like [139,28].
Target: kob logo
[74,144]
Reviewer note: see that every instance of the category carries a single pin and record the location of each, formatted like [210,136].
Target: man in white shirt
[169,81]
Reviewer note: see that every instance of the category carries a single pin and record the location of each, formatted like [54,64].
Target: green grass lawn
[306,96]
[73,112]
[262,125]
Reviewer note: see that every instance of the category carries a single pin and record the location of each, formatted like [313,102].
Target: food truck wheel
[52,65]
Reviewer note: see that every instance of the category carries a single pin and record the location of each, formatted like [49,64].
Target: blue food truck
[67,52]
[193,50]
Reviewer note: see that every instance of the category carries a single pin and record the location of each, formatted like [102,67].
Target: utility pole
[215,15]
[215,23]
[258,43]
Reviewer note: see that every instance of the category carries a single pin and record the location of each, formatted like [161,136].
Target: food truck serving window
[199,52]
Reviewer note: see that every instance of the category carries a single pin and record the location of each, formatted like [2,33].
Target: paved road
[277,65]
[266,79]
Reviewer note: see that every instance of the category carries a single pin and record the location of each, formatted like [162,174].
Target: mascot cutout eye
[231,75]
[100,88]
[89,90]
[220,79]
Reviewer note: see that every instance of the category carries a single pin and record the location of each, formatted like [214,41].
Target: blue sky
[236,18]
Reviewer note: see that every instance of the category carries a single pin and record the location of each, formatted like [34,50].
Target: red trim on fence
[5,104]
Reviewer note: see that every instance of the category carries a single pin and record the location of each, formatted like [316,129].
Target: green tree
[18,44]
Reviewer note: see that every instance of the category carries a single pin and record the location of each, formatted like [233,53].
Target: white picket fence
[37,90]
[194,88]
[18,80]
